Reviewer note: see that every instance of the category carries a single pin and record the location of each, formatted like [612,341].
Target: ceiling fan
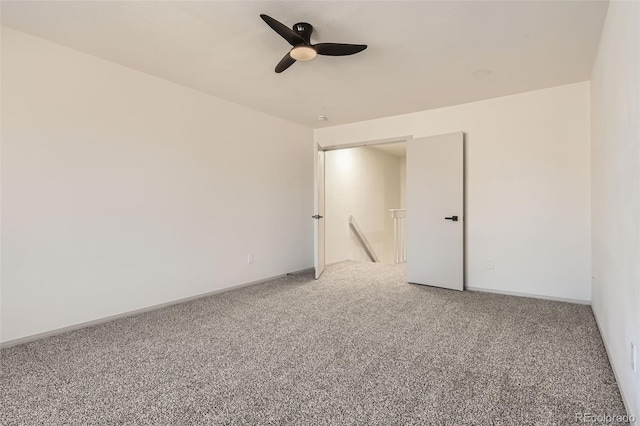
[300,38]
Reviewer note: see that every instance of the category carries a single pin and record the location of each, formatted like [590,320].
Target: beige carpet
[359,346]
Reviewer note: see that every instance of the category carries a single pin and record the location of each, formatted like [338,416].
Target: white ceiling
[421,55]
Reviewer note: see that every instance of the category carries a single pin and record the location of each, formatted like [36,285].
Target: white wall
[122,191]
[615,111]
[365,183]
[528,172]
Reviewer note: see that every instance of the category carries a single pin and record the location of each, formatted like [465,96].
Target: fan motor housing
[304,29]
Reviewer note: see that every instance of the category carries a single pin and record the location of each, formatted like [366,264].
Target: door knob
[453,218]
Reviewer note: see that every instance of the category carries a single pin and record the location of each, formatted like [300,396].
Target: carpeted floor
[359,346]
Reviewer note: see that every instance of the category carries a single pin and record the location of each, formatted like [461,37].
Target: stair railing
[399,234]
[363,240]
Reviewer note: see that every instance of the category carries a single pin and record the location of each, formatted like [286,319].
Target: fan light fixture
[300,38]
[303,53]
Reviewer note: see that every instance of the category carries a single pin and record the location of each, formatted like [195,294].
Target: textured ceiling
[421,55]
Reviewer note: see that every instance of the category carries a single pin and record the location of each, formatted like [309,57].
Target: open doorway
[366,185]
[365,193]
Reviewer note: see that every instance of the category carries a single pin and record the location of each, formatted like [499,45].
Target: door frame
[317,190]
[405,138]
[319,234]
[360,144]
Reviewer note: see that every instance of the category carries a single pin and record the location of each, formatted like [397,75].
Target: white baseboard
[50,333]
[533,296]
[625,400]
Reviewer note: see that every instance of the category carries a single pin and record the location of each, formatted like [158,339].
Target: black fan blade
[338,49]
[287,33]
[284,63]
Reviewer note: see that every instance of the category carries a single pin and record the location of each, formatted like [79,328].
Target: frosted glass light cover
[303,53]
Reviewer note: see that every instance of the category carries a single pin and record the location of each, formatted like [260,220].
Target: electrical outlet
[490,264]
[634,358]
[250,258]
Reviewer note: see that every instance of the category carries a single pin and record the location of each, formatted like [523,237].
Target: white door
[435,206]
[318,227]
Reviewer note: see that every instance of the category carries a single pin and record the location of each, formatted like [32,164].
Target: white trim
[69,328]
[533,296]
[625,401]
[397,139]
